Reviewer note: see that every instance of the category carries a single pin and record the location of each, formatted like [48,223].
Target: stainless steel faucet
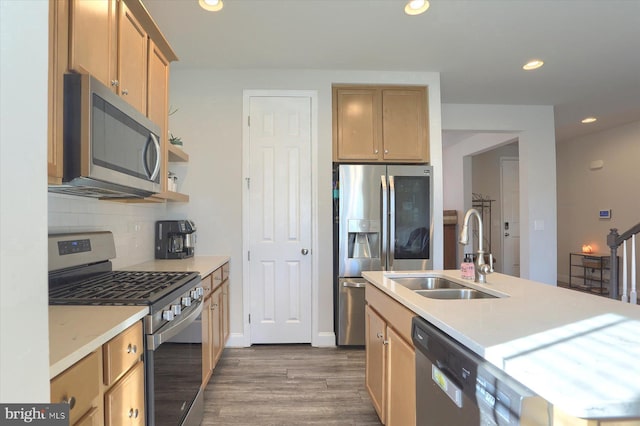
[481,268]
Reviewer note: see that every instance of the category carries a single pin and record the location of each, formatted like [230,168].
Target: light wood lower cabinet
[215,319]
[375,360]
[107,386]
[79,386]
[390,359]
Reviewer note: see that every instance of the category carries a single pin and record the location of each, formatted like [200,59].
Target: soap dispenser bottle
[467,268]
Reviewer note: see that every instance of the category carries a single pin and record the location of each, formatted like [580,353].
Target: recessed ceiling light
[416,7]
[589,120]
[533,64]
[211,5]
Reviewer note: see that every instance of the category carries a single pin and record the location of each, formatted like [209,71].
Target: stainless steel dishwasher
[455,387]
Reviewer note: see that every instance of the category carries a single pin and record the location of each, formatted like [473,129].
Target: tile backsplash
[132,224]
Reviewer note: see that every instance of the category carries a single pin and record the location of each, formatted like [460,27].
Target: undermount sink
[441,288]
[455,293]
[427,283]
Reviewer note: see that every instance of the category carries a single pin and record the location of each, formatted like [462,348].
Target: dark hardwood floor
[289,385]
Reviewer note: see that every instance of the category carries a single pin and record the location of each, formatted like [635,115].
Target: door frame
[246,284]
[502,159]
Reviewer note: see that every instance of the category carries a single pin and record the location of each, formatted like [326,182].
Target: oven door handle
[155,340]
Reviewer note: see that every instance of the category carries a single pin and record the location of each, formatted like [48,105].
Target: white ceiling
[591,48]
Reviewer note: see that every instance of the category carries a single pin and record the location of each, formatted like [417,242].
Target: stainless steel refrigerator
[383,221]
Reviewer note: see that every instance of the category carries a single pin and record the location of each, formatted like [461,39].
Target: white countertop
[204,265]
[578,351]
[76,331]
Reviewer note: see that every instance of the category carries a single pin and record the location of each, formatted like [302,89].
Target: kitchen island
[579,352]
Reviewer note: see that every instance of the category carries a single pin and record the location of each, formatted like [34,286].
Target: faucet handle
[491,262]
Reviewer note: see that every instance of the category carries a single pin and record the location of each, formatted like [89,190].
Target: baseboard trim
[324,339]
[236,340]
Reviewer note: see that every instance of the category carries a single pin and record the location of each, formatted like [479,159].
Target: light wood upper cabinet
[93,39]
[356,124]
[132,59]
[404,131]
[117,42]
[380,124]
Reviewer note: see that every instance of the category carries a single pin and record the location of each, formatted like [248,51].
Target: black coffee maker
[175,239]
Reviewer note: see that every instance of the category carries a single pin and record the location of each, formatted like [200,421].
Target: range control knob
[194,294]
[200,291]
[177,309]
[168,315]
[186,301]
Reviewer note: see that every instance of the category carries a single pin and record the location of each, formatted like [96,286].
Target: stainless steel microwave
[111,150]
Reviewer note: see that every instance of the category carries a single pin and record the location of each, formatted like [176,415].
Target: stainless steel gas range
[80,273]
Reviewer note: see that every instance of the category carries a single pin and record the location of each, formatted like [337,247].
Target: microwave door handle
[383,217]
[156,145]
[392,221]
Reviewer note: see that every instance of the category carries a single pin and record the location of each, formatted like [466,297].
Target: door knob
[304,252]
[506,234]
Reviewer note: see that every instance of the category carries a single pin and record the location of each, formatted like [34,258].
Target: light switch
[538,225]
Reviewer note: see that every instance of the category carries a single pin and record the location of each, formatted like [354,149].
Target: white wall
[534,128]
[209,121]
[583,192]
[132,224]
[24,330]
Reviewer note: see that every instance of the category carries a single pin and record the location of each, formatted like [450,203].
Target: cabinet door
[124,402]
[404,130]
[158,101]
[92,38]
[225,313]
[58,62]
[356,124]
[132,59]
[216,324]
[81,384]
[206,341]
[375,358]
[401,379]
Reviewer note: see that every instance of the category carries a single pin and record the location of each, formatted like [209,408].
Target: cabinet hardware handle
[71,401]
[133,413]
[125,92]
[385,342]
[375,151]
[386,151]
[132,348]
[379,335]
[115,83]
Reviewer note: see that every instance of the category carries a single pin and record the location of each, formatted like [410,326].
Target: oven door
[174,374]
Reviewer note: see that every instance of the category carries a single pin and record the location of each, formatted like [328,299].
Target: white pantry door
[510,196]
[279,188]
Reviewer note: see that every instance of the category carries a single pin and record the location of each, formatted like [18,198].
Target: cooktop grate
[119,287]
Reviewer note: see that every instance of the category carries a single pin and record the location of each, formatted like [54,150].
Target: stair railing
[615,240]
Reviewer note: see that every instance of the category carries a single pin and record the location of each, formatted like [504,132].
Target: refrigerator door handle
[392,221]
[383,217]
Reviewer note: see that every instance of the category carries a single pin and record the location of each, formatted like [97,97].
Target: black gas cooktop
[119,288]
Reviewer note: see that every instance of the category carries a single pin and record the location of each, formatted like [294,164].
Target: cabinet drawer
[207,285]
[225,271]
[80,384]
[217,277]
[121,352]
[124,402]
